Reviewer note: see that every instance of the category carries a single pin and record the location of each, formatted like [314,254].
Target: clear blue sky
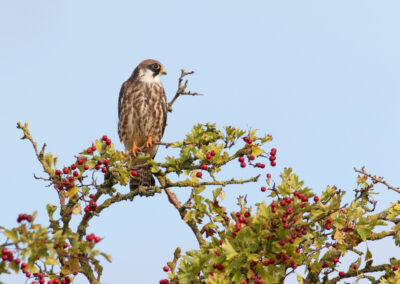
[321,77]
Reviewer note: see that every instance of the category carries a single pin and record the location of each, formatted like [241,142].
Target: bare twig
[182,89]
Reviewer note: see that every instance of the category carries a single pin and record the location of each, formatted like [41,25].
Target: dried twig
[182,89]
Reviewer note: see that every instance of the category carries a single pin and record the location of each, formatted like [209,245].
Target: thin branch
[190,183]
[377,179]
[182,89]
[182,210]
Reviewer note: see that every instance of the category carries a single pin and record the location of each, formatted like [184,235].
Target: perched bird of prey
[142,112]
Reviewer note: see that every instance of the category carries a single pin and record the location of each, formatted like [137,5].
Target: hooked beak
[163,71]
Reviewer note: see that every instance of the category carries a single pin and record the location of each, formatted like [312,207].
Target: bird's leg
[134,149]
[150,140]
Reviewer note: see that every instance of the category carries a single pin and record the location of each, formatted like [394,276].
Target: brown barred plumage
[142,111]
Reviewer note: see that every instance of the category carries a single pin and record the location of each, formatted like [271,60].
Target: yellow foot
[134,149]
[149,142]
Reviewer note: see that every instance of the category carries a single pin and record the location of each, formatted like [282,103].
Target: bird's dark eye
[156,66]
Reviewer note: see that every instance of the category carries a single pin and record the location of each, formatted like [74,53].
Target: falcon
[142,113]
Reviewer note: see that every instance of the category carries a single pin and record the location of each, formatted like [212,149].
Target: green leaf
[48,159]
[106,256]
[229,251]
[368,255]
[364,233]
[77,209]
[51,261]
[70,193]
[12,235]
[50,210]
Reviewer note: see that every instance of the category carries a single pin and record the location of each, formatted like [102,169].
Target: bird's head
[149,71]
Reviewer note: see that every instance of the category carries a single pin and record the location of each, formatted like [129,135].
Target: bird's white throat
[147,76]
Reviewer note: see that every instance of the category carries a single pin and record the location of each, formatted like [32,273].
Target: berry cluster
[69,175]
[272,157]
[241,220]
[92,205]
[22,217]
[7,255]
[93,238]
[40,276]
[164,281]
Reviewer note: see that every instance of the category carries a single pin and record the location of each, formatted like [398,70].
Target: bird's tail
[144,177]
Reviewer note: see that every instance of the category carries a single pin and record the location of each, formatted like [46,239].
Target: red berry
[246,138]
[212,153]
[243,165]
[104,170]
[263,188]
[105,138]
[304,198]
[134,173]
[395,268]
[273,164]
[89,150]
[208,156]
[335,260]
[86,167]
[17,261]
[80,161]
[316,198]
[90,237]
[105,162]
[355,266]
[273,151]
[238,214]
[262,166]
[97,167]
[251,157]
[273,204]
[246,214]
[166,268]
[238,226]
[28,274]
[41,280]
[327,226]
[341,274]
[325,264]
[108,142]
[272,158]
[204,167]
[73,167]
[241,159]
[329,221]
[66,245]
[93,148]
[283,203]
[71,178]
[268,175]
[97,239]
[199,174]
[65,170]
[58,172]
[91,195]
[76,174]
